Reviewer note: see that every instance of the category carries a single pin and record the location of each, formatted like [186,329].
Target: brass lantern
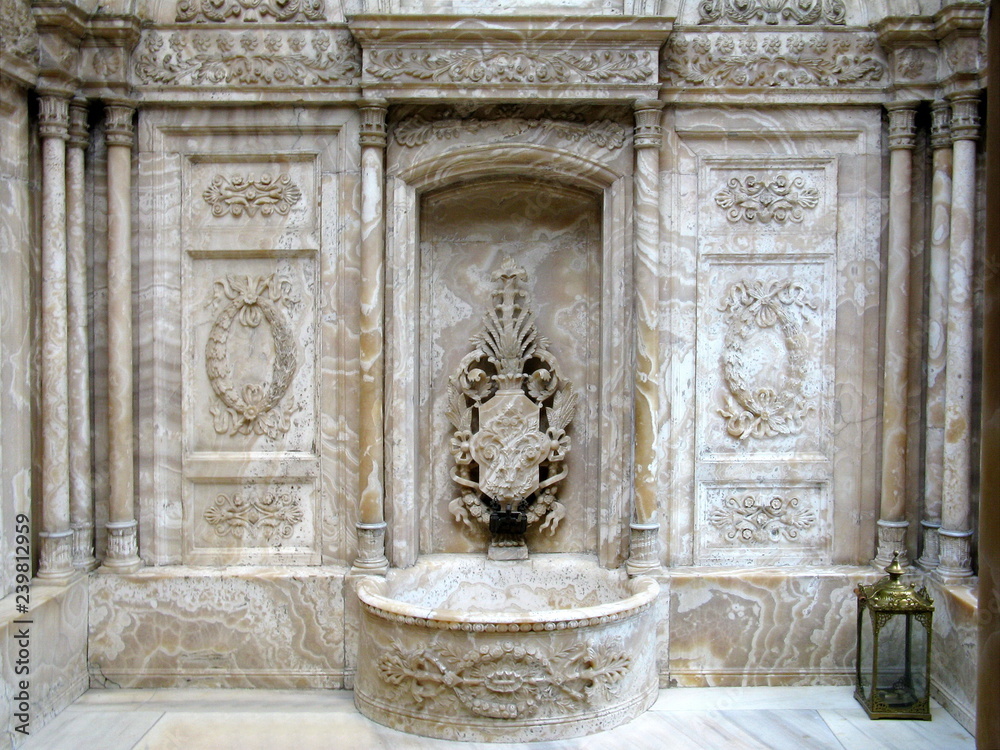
[894,648]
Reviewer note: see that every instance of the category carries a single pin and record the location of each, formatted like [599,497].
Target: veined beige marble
[954,652]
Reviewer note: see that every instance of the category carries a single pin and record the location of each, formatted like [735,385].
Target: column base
[55,558]
[930,557]
[123,548]
[643,548]
[371,558]
[956,556]
[891,540]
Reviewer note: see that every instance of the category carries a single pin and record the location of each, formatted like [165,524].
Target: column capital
[118,122]
[78,128]
[965,116]
[941,124]
[648,131]
[902,125]
[53,114]
[372,132]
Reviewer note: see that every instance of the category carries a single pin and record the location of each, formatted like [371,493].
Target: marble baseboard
[954,650]
[226,627]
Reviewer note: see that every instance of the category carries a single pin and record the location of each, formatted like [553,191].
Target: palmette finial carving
[510,409]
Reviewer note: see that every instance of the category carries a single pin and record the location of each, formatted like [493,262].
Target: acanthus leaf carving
[238,195]
[764,410]
[251,11]
[506,680]
[254,407]
[762,520]
[780,199]
[251,514]
[416,131]
[511,66]
[801,12]
[749,60]
[253,58]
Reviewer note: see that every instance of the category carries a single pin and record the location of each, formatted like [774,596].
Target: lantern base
[894,704]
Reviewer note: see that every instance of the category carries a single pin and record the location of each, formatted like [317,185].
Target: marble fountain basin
[477,650]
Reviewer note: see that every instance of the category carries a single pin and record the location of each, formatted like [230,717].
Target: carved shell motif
[510,410]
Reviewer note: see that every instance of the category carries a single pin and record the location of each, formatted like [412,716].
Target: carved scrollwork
[513,66]
[253,57]
[416,131]
[252,408]
[505,680]
[238,195]
[762,520]
[753,199]
[252,515]
[749,60]
[510,410]
[755,410]
[802,12]
[219,11]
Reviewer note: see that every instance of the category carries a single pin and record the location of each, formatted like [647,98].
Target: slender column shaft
[648,134]
[955,533]
[81,497]
[55,559]
[122,537]
[892,522]
[371,524]
[937,325]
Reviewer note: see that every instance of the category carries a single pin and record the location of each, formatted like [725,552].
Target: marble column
[81,497]
[937,326]
[892,522]
[956,510]
[643,552]
[123,547]
[371,517]
[55,557]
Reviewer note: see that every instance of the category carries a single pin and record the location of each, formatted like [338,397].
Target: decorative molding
[250,11]
[416,131]
[505,680]
[18,32]
[251,58]
[801,12]
[753,409]
[249,514]
[749,60]
[511,66]
[238,195]
[762,519]
[754,199]
[510,409]
[252,409]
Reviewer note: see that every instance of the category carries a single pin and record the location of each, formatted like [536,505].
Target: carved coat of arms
[510,410]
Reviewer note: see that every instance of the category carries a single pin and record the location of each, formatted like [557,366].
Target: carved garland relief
[416,131]
[250,408]
[238,195]
[761,410]
[252,515]
[753,199]
[802,12]
[507,681]
[762,520]
[251,11]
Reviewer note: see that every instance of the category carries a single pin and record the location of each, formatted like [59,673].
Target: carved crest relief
[764,409]
[250,408]
[510,409]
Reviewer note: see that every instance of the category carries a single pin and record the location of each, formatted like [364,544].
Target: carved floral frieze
[250,408]
[763,410]
[254,57]
[801,12]
[416,131]
[250,11]
[762,519]
[505,680]
[238,195]
[780,199]
[267,516]
[752,60]
[478,66]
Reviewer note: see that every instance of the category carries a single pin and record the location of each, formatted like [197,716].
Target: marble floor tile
[857,732]
[88,729]
[755,698]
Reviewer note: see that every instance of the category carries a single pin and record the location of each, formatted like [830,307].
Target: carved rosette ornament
[510,409]
[272,515]
[250,408]
[505,680]
[762,410]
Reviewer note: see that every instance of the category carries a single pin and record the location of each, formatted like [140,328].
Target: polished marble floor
[688,718]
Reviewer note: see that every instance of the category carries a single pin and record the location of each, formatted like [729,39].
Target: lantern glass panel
[902,661]
[866,655]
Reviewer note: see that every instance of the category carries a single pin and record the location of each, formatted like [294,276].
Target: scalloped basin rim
[371,591]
